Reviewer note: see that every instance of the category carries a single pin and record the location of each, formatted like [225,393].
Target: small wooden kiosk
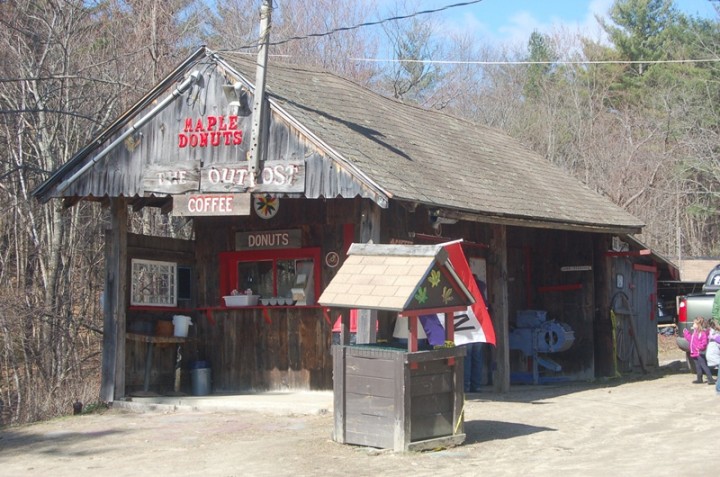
[390,396]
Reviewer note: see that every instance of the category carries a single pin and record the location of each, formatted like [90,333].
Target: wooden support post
[412,333]
[112,385]
[148,365]
[403,403]
[605,361]
[498,297]
[450,332]
[369,232]
[339,402]
[345,327]
[178,368]
[450,326]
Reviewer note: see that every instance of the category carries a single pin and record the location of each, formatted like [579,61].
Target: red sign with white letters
[211,204]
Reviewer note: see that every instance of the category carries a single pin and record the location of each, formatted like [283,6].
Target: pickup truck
[694,305]
[698,304]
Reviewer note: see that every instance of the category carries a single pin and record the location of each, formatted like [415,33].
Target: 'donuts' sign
[268,239]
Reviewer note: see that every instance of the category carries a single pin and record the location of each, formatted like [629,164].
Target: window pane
[153,283]
[257,276]
[286,277]
[305,280]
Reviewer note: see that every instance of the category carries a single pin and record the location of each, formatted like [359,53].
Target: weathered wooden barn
[336,164]
[636,273]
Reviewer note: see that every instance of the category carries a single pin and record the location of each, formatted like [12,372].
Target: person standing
[712,354]
[716,307]
[474,367]
[475,355]
[698,341]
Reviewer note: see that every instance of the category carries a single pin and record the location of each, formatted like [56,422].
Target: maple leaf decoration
[447,295]
[434,278]
[421,295]
[266,204]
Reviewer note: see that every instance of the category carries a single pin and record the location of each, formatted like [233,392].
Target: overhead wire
[458,62]
[360,25]
[521,62]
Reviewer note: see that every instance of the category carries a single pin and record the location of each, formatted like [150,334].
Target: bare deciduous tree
[71,68]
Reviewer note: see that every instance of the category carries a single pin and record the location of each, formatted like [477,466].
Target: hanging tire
[683,344]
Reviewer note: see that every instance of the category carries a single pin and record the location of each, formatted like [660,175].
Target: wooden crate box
[394,399]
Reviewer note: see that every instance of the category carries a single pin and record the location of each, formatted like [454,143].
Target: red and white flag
[473,325]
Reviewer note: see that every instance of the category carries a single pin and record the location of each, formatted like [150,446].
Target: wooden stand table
[151,341]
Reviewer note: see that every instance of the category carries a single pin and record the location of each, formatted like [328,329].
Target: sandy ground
[637,425]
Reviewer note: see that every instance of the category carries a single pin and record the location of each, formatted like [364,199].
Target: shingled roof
[396,278]
[395,151]
[432,158]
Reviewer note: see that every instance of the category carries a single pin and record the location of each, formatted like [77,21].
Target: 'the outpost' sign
[276,176]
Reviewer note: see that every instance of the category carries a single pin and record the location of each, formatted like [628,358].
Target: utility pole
[256,132]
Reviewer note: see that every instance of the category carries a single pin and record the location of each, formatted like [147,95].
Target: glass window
[286,277]
[290,273]
[153,283]
[256,276]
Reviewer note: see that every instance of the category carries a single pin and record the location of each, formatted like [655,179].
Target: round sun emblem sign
[266,205]
[332,259]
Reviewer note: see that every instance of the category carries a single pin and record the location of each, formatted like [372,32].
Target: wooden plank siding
[534,259]
[393,399]
[156,149]
[162,372]
[370,401]
[247,352]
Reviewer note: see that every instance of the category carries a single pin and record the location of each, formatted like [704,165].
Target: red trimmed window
[272,273]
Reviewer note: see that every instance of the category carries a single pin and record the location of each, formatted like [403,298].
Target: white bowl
[241,300]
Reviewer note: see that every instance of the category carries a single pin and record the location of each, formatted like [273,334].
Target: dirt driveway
[627,427]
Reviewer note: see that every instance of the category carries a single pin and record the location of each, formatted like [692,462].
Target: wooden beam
[69,202]
[498,299]
[339,400]
[634,253]
[112,384]
[369,232]
[345,327]
[440,239]
[559,288]
[540,224]
[645,268]
[605,361]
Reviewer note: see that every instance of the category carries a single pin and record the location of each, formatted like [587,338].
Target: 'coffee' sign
[268,239]
[211,204]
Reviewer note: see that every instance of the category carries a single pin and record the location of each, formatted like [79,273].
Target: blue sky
[512,21]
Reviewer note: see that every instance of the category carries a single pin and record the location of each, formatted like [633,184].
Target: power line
[559,62]
[362,25]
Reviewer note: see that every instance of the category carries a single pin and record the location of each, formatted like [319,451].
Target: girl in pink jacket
[698,340]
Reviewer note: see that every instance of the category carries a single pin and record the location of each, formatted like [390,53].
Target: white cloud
[516,29]
[521,25]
